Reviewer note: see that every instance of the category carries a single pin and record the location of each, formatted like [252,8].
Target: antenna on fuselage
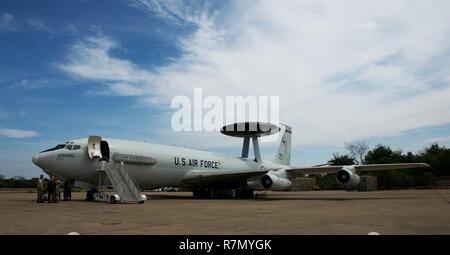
[251,130]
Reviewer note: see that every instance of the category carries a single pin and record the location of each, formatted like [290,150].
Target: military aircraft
[131,166]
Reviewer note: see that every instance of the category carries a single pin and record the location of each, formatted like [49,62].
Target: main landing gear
[223,193]
[90,194]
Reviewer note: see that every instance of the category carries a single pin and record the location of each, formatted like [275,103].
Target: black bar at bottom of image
[228,244]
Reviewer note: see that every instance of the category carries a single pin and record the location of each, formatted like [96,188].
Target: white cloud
[176,11]
[343,70]
[90,59]
[8,23]
[442,139]
[38,24]
[72,29]
[17,133]
[44,83]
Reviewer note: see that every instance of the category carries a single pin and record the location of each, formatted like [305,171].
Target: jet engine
[347,176]
[273,182]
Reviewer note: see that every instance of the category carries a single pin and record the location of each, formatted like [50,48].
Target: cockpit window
[69,147]
[57,147]
[76,147]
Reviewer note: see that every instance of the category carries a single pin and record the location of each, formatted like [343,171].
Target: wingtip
[423,165]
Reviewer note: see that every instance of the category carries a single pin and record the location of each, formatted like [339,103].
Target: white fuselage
[172,163]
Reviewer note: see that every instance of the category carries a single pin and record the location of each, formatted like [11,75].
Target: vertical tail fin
[283,155]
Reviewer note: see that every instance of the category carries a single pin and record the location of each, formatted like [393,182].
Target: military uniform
[40,190]
[51,191]
[67,191]
[57,191]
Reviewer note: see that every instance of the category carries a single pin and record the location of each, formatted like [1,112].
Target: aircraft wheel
[90,195]
[202,193]
[112,200]
[246,193]
[249,194]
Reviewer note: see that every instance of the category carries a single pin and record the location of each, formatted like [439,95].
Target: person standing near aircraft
[67,191]
[44,193]
[40,189]
[51,190]
[57,194]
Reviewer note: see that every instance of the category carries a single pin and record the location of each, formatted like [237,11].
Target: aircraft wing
[360,168]
[208,178]
[220,177]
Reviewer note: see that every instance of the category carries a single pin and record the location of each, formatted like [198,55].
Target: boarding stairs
[124,185]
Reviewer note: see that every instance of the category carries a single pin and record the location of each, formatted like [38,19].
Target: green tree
[18,183]
[327,182]
[382,154]
[408,177]
[394,179]
[437,157]
[341,160]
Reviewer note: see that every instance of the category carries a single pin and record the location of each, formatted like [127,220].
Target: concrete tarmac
[314,212]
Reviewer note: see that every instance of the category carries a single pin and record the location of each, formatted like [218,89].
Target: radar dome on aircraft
[250,129]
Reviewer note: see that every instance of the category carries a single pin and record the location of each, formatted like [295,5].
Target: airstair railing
[130,181]
[113,179]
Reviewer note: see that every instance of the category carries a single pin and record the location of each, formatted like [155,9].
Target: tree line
[438,157]
[17,182]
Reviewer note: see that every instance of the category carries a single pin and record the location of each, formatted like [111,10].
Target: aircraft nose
[35,159]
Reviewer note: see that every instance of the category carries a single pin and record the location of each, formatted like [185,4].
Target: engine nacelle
[273,182]
[347,176]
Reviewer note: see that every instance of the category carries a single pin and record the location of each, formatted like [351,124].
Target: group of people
[50,189]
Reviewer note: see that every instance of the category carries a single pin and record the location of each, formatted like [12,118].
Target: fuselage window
[76,147]
[69,147]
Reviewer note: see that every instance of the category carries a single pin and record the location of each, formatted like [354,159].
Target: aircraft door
[104,148]
[94,147]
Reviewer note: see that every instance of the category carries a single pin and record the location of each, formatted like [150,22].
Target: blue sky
[343,72]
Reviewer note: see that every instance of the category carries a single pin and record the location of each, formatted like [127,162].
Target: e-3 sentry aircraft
[129,166]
